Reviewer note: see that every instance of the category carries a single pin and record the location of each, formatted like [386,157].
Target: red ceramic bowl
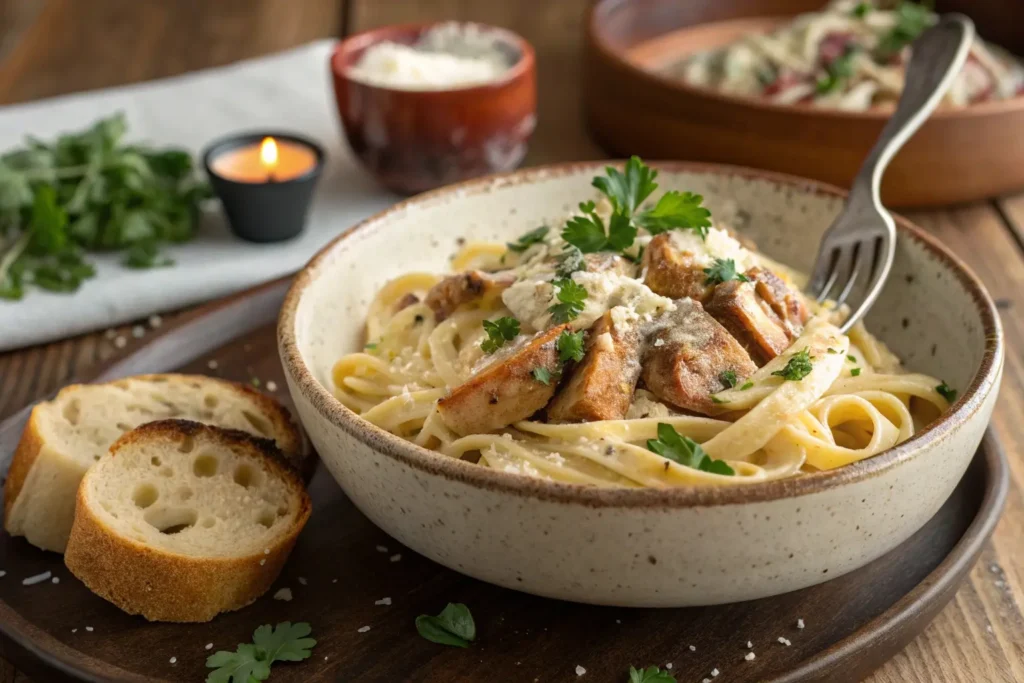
[416,140]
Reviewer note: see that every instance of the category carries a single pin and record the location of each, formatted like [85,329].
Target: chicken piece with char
[463,288]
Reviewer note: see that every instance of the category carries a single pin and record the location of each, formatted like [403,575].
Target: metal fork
[863,237]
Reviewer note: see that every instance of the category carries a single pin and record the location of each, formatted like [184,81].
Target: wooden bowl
[962,154]
[416,140]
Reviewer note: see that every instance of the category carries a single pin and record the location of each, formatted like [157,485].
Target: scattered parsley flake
[833,351]
[746,386]
[651,674]
[837,71]
[286,642]
[372,346]
[542,375]
[570,346]
[685,451]
[498,332]
[911,21]
[720,401]
[528,239]
[723,270]
[862,9]
[798,367]
[728,378]
[453,626]
[855,372]
[946,392]
[571,296]
[850,358]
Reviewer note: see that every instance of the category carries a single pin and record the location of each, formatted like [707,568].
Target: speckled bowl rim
[596,39]
[390,446]
[364,39]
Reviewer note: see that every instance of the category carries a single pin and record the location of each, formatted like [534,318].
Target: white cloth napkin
[290,91]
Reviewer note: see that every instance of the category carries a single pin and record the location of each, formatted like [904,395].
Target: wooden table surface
[51,47]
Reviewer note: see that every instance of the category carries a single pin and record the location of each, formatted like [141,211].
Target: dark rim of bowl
[236,140]
[408,453]
[596,38]
[364,39]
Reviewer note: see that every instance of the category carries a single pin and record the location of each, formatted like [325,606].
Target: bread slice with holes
[181,521]
[65,436]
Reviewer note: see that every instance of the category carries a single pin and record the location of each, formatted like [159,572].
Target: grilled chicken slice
[686,356]
[506,390]
[462,288]
[406,301]
[749,319]
[601,387]
[786,303]
[674,273]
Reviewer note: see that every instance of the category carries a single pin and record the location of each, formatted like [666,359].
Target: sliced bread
[65,436]
[182,521]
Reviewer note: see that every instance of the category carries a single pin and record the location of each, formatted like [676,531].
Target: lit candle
[267,161]
[265,182]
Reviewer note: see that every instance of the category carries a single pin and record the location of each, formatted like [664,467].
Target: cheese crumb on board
[580,670]
[397,557]
[799,623]
[38,578]
[283,594]
[383,601]
[363,629]
[750,656]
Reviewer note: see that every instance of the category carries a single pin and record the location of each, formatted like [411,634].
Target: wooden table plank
[979,637]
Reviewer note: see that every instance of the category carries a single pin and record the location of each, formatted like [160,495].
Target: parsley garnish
[833,351]
[798,367]
[854,372]
[946,392]
[570,346]
[685,451]
[529,239]
[453,626]
[862,9]
[837,71]
[571,296]
[498,332]
[587,232]
[723,270]
[728,378]
[626,192]
[676,210]
[542,375]
[850,358]
[570,261]
[651,674]
[746,386]
[911,20]
[251,661]
[715,399]
[372,346]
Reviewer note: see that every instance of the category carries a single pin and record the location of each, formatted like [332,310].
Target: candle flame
[268,153]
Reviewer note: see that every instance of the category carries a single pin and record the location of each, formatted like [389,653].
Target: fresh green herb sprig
[570,295]
[90,191]
[727,378]
[861,10]
[838,71]
[685,451]
[453,626]
[627,190]
[570,346]
[651,674]
[286,642]
[946,392]
[911,20]
[798,367]
[723,270]
[528,239]
[499,331]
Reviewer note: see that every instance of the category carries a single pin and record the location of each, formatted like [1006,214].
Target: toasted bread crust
[165,586]
[25,454]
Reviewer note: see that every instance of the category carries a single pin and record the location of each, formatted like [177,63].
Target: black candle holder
[264,211]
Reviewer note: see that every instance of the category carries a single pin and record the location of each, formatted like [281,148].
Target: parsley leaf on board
[946,392]
[651,674]
[528,239]
[498,332]
[286,642]
[88,190]
[727,378]
[570,346]
[571,296]
[685,451]
[627,191]
[798,367]
[676,210]
[723,270]
[453,626]
[542,375]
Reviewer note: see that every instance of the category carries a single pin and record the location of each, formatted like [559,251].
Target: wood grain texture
[49,47]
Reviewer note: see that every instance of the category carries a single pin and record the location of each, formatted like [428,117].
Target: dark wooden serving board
[853,623]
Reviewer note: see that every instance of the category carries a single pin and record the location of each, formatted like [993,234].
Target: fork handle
[938,56]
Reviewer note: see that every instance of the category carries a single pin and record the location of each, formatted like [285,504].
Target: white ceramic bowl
[674,547]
